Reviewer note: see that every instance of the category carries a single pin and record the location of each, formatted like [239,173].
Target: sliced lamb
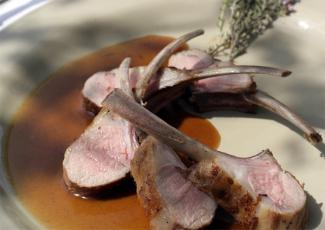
[190,59]
[148,80]
[248,102]
[158,61]
[216,93]
[102,154]
[235,92]
[225,84]
[257,198]
[170,200]
[195,59]
[98,86]
[256,191]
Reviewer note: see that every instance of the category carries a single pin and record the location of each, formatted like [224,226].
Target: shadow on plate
[314,211]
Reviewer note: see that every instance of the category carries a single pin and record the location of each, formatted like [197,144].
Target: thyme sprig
[242,21]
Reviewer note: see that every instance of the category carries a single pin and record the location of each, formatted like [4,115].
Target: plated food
[58,130]
[255,191]
[241,134]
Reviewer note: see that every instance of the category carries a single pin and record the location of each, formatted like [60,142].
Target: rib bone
[264,100]
[124,77]
[150,123]
[236,69]
[160,58]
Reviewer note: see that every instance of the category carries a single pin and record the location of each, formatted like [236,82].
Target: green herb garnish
[242,21]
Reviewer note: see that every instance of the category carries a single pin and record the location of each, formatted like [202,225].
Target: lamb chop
[237,92]
[216,85]
[97,86]
[169,198]
[100,84]
[256,191]
[101,155]
[194,59]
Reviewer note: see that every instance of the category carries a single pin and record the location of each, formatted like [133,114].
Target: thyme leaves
[241,22]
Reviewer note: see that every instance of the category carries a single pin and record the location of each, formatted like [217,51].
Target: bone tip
[314,138]
[139,95]
[201,31]
[127,60]
[267,152]
[286,73]
[198,32]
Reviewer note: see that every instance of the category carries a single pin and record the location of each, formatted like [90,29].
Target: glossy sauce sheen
[201,130]
[51,119]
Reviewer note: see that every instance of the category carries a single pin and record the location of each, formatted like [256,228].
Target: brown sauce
[201,130]
[51,119]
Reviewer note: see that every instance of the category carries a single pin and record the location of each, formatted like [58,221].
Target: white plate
[37,45]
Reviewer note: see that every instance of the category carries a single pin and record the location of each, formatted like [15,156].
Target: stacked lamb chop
[127,136]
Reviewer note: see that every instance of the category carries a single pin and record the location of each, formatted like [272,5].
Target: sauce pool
[200,130]
[51,119]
